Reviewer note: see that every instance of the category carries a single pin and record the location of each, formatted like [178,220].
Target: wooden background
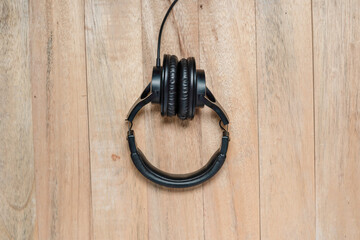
[287,72]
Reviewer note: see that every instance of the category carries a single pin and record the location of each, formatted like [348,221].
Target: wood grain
[17,188]
[58,79]
[114,71]
[286,131]
[337,114]
[228,56]
[171,144]
[287,74]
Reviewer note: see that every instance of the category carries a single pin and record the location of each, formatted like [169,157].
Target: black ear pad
[192,87]
[171,107]
[183,90]
[168,85]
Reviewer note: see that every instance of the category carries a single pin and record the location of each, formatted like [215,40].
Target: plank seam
[88,123]
[314,122]
[257,114]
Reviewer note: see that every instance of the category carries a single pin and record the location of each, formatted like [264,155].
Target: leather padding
[164,84]
[183,90]
[171,108]
[178,180]
[192,87]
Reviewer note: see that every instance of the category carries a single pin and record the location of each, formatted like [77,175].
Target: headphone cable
[160,32]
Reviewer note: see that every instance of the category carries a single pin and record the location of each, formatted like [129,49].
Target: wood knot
[114,157]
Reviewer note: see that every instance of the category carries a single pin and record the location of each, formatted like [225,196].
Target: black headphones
[179,88]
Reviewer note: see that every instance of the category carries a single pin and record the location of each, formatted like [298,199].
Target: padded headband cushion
[183,90]
[171,107]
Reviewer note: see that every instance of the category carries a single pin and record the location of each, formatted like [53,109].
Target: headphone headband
[177,180]
[179,88]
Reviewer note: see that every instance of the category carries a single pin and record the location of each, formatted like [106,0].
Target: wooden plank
[114,69]
[17,188]
[58,77]
[228,56]
[286,138]
[171,144]
[337,114]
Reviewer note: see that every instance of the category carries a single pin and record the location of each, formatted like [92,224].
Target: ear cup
[171,103]
[168,85]
[183,90]
[192,86]
[164,85]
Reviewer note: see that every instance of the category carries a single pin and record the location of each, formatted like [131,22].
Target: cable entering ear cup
[171,107]
[183,90]
[179,88]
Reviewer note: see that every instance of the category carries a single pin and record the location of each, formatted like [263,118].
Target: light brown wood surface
[287,73]
[58,77]
[286,129]
[17,173]
[337,118]
[228,55]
